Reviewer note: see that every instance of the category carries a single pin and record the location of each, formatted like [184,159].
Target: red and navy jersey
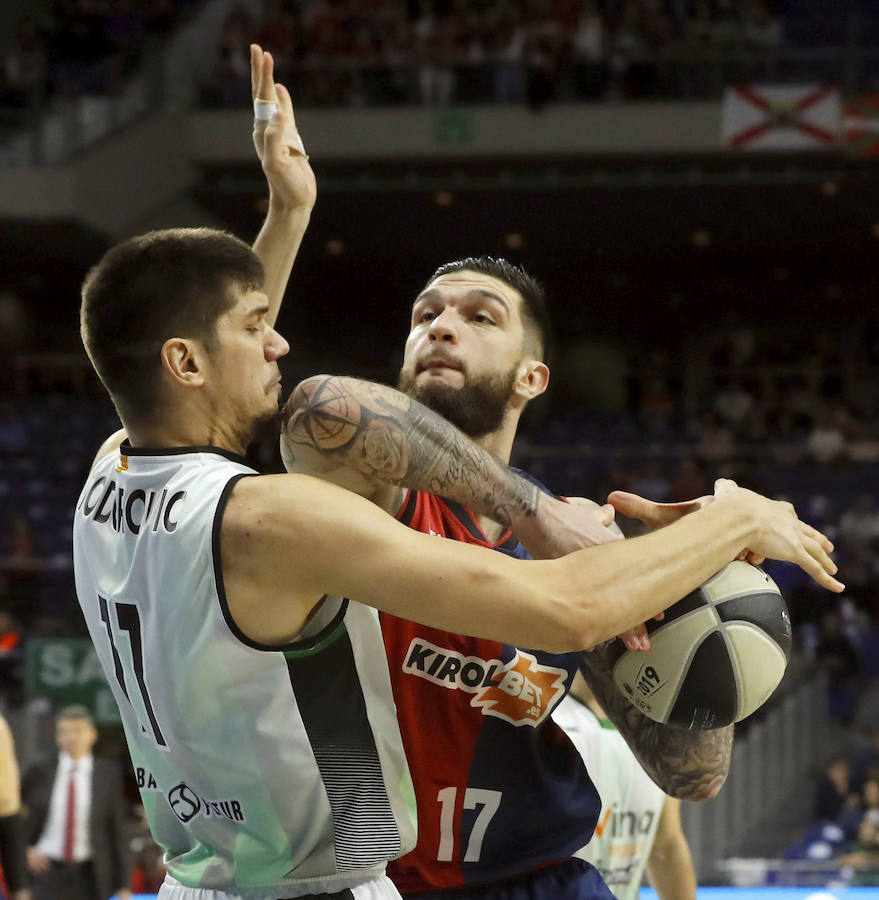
[500,788]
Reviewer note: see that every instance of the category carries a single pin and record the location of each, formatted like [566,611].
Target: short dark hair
[537,323]
[74,712]
[160,285]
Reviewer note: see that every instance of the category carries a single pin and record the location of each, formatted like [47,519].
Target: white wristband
[263,110]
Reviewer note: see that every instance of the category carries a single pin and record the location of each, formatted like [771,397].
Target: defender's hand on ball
[780,533]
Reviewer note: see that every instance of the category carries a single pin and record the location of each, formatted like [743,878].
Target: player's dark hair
[537,323]
[74,712]
[160,285]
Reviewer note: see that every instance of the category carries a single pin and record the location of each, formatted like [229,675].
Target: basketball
[717,656]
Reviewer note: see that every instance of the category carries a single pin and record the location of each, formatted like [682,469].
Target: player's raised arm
[292,186]
[288,540]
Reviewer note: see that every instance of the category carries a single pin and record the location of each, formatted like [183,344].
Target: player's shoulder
[267,500]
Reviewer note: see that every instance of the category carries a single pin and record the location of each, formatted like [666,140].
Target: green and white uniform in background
[264,773]
[631,803]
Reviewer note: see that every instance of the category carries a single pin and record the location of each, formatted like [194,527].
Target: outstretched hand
[291,180]
[782,534]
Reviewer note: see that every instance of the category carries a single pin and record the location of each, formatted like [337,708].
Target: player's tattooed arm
[685,763]
[385,437]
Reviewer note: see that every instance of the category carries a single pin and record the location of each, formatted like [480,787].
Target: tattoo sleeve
[685,763]
[391,439]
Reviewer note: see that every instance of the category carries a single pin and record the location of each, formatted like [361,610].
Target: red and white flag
[782,117]
[860,125]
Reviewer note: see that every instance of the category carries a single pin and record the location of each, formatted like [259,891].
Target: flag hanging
[782,117]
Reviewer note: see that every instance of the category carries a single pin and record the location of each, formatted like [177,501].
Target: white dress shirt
[51,842]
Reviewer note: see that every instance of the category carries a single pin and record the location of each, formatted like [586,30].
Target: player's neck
[500,445]
[179,432]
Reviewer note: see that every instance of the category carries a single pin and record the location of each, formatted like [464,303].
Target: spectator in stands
[866,760]
[23,65]
[509,72]
[76,818]
[834,793]
[838,655]
[859,524]
[826,442]
[863,855]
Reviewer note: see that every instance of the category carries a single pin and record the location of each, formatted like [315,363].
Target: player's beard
[477,407]
[268,426]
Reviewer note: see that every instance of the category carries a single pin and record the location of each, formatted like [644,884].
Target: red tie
[70,821]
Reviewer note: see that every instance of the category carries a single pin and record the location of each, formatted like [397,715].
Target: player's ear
[532,379]
[182,362]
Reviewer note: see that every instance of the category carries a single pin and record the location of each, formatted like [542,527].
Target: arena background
[696,185]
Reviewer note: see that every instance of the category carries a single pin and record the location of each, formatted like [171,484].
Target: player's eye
[483,319]
[426,316]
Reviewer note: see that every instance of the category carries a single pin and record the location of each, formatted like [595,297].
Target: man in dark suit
[76,818]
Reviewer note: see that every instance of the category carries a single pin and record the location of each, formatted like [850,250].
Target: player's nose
[276,346]
[444,327]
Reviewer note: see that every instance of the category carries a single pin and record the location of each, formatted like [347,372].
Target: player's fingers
[285,103]
[606,513]
[636,638]
[255,66]
[817,552]
[274,139]
[812,567]
[818,536]
[724,486]
[755,559]
[630,505]
[267,78]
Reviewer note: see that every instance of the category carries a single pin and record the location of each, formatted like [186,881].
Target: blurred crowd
[68,48]
[357,52]
[364,52]
[844,828]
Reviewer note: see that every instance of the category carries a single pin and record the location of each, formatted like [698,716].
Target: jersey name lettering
[135,511]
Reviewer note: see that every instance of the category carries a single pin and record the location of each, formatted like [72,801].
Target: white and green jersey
[258,767]
[631,803]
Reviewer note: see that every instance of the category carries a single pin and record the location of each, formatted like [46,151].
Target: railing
[771,761]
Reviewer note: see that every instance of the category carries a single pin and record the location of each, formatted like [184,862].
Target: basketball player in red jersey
[503,798]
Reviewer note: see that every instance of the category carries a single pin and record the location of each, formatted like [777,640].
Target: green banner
[453,127]
[66,671]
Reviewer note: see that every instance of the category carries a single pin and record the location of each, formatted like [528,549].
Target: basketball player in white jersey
[640,826]
[255,698]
